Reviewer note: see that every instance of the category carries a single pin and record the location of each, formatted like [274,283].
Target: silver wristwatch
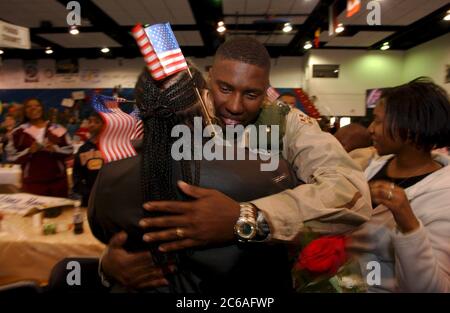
[246,227]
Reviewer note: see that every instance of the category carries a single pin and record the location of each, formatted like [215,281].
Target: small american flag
[114,141]
[160,49]
[272,94]
[138,132]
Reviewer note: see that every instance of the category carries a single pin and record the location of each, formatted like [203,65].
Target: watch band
[246,227]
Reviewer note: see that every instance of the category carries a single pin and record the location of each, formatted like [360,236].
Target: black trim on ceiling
[422,30]
[352,30]
[317,19]
[207,14]
[267,16]
[118,52]
[96,29]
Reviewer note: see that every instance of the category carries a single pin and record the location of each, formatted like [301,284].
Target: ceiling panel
[360,39]
[268,6]
[257,6]
[83,40]
[189,38]
[130,12]
[304,6]
[281,39]
[276,38]
[281,6]
[31,13]
[252,20]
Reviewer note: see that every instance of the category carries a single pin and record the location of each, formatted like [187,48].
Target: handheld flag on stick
[162,54]
[114,141]
[272,94]
[160,50]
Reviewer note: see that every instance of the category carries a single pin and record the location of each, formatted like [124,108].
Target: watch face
[245,230]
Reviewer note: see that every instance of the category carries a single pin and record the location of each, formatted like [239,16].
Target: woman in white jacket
[405,247]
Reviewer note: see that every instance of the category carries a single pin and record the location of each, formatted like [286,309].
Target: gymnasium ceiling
[107,23]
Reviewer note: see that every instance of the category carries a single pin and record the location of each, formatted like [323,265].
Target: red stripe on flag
[115,138]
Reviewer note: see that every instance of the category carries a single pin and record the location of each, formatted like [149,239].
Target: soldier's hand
[206,220]
[132,270]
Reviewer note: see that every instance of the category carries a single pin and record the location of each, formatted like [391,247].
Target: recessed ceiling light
[307,45]
[340,28]
[447,16]
[385,46]
[1,51]
[221,27]
[105,50]
[287,27]
[73,30]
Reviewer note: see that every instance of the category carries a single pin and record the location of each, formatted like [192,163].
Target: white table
[27,254]
[11,174]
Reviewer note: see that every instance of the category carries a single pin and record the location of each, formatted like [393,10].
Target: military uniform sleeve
[335,197]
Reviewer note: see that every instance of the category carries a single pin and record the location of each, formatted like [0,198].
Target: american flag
[160,49]
[114,141]
[138,132]
[272,94]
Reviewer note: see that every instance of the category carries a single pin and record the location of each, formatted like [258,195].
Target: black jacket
[116,204]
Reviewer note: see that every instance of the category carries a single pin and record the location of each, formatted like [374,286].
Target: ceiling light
[385,46]
[307,45]
[221,27]
[287,27]
[447,16]
[48,50]
[340,28]
[73,30]
[1,51]
[105,50]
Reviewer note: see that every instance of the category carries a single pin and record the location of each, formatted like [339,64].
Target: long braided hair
[164,104]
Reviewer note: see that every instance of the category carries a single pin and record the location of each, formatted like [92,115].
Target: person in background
[17,111]
[5,132]
[41,148]
[88,160]
[83,131]
[53,115]
[72,126]
[353,136]
[289,98]
[408,234]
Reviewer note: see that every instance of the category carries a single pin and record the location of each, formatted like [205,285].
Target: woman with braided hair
[122,187]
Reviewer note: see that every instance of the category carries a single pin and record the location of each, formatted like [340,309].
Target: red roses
[324,255]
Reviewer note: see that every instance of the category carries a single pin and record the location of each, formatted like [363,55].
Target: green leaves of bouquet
[323,266]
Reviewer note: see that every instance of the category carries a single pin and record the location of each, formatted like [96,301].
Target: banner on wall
[31,71]
[13,36]
[90,75]
[67,66]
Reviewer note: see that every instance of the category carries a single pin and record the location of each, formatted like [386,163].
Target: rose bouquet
[323,266]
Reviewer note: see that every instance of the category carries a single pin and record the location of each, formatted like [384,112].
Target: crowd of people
[44,148]
[383,186]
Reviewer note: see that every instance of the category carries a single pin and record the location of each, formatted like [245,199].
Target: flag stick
[204,108]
